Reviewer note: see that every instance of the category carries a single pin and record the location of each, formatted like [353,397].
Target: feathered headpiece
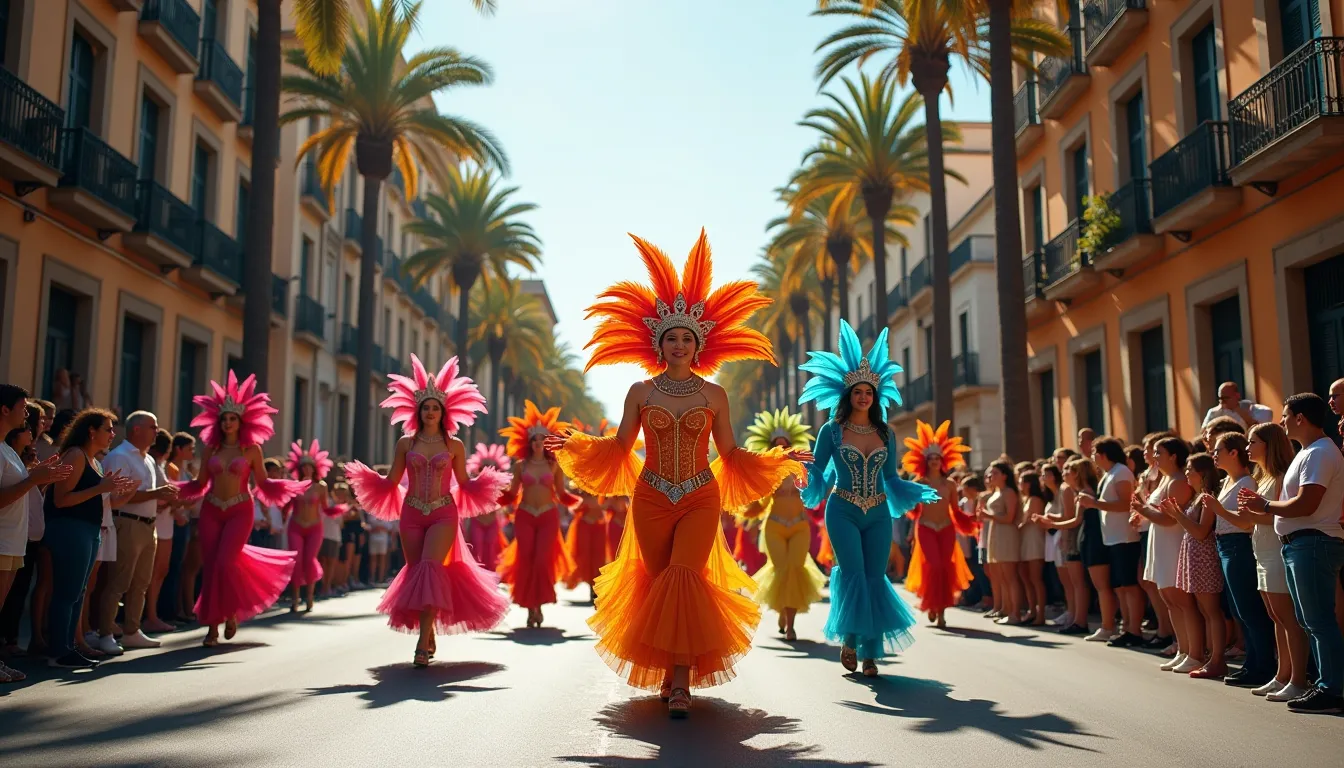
[459,396]
[834,375]
[315,456]
[492,455]
[603,428]
[635,317]
[521,431]
[772,425]
[928,442]
[252,408]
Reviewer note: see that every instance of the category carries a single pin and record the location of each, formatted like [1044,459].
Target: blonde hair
[1087,472]
[1278,454]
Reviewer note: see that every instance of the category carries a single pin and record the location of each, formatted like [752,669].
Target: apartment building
[1216,128]
[976,410]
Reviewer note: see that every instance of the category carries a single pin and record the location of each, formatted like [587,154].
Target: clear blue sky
[655,117]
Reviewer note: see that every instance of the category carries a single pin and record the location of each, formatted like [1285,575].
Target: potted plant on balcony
[1100,222]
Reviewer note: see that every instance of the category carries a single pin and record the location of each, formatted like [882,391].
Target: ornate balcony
[172,28]
[166,229]
[897,299]
[310,320]
[1132,240]
[218,266]
[1290,118]
[919,391]
[30,135]
[392,271]
[1068,269]
[918,282]
[98,184]
[312,196]
[1033,279]
[1109,27]
[347,349]
[279,299]
[354,228]
[1063,79]
[219,81]
[1027,116]
[966,370]
[975,248]
[1192,184]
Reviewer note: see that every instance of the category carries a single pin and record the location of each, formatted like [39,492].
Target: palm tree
[322,27]
[474,234]
[511,329]
[871,152]
[381,110]
[923,37]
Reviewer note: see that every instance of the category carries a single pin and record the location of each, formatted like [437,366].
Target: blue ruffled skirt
[867,615]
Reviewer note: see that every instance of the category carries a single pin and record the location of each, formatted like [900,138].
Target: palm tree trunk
[878,204]
[368,243]
[930,78]
[841,257]
[1014,380]
[257,267]
[828,301]
[496,386]
[800,353]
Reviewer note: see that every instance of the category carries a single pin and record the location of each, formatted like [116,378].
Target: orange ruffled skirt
[536,559]
[587,546]
[674,595]
[938,572]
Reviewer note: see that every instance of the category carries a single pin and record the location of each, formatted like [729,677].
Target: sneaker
[108,645]
[1273,686]
[1175,662]
[1289,692]
[1126,640]
[1318,702]
[91,639]
[71,660]
[1189,665]
[1074,629]
[1102,635]
[139,640]
[1064,619]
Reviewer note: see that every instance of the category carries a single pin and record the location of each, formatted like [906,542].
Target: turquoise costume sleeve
[820,474]
[903,495]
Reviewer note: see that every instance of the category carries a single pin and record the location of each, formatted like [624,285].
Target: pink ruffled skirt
[238,580]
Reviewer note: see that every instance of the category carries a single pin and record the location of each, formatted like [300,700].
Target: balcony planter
[1291,118]
[1027,116]
[166,229]
[1109,27]
[98,183]
[30,135]
[1192,183]
[1117,228]
[173,29]
[219,82]
[1068,270]
[1063,79]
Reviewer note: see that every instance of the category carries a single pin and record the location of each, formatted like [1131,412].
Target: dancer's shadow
[930,704]
[717,734]
[542,636]
[803,649]
[1026,641]
[188,658]
[396,683]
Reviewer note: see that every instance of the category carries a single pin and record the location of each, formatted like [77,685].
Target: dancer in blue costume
[856,455]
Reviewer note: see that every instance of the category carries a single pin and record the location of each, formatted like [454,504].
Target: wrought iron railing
[1131,203]
[310,316]
[1053,71]
[220,253]
[1025,108]
[1099,15]
[868,328]
[1304,86]
[349,342]
[354,225]
[919,278]
[1063,257]
[379,361]
[29,120]
[218,68]
[897,298]
[90,164]
[279,295]
[1033,274]
[973,248]
[1197,162]
[421,210]
[160,213]
[966,370]
[918,392]
[312,186]
[176,16]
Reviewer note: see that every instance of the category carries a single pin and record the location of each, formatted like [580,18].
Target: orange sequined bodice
[676,449]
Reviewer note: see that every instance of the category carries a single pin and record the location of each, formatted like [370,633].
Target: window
[79,104]
[240,215]
[234,362]
[928,234]
[1137,146]
[62,309]
[190,363]
[1094,389]
[928,348]
[133,336]
[209,20]
[342,430]
[1078,158]
[249,85]
[1045,381]
[415,341]
[300,405]
[905,365]
[305,265]
[401,340]
[1299,21]
[1325,321]
[348,300]
[149,136]
[1153,360]
[905,268]
[387,331]
[1228,351]
[201,172]
[964,331]
[1204,55]
[4,33]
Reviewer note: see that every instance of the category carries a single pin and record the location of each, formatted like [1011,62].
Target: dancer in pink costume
[305,518]
[485,534]
[442,588]
[238,580]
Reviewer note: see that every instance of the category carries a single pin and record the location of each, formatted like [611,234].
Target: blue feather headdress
[833,375]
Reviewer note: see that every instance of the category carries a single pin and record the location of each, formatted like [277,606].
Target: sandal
[9,674]
[230,628]
[421,658]
[790,635]
[679,703]
[869,668]
[210,641]
[849,658]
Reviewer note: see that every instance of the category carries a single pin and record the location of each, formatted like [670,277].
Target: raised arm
[746,476]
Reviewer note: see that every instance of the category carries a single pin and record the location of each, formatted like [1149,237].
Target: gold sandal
[849,658]
[869,668]
[421,658]
[679,704]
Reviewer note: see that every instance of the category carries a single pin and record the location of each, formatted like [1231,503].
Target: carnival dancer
[670,613]
[789,581]
[586,540]
[536,560]
[304,531]
[485,534]
[442,589]
[747,549]
[856,454]
[238,580]
[938,571]
[618,508]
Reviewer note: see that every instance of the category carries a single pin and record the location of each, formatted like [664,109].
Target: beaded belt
[675,492]
[223,504]
[426,507]
[864,503]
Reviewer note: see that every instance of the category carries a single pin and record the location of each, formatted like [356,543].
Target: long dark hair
[845,409]
[81,430]
[1032,479]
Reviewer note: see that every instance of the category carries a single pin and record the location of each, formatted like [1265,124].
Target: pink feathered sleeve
[336,510]
[192,490]
[279,492]
[379,496]
[480,495]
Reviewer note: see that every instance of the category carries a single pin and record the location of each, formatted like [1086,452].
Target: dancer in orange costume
[536,559]
[586,541]
[670,613]
[938,572]
[618,508]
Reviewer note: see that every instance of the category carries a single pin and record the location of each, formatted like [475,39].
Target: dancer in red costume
[938,572]
[586,540]
[238,580]
[485,534]
[442,589]
[536,559]
[305,518]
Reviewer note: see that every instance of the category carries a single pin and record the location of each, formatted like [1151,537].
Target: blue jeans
[168,592]
[1313,564]
[1234,549]
[74,545]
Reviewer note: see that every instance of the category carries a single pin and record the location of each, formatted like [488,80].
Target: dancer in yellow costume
[789,581]
[670,613]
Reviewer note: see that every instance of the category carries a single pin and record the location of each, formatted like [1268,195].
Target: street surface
[336,688]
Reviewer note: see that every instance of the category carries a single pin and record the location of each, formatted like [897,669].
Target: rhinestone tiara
[679,316]
[430,392]
[864,374]
[780,432]
[231,406]
[538,429]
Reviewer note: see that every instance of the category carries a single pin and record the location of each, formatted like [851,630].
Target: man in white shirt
[134,520]
[1230,404]
[1307,520]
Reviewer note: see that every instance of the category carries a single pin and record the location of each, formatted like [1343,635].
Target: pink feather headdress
[488,456]
[459,396]
[252,408]
[315,456]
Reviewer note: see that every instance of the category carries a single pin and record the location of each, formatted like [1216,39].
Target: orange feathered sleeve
[599,465]
[746,476]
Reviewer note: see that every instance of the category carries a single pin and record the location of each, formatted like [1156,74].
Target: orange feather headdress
[603,428]
[928,442]
[534,422]
[634,317]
